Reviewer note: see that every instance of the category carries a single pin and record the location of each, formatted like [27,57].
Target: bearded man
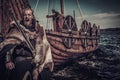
[19,57]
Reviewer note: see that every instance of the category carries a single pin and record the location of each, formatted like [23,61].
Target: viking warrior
[18,51]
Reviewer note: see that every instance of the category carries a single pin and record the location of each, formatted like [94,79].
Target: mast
[62,6]
[74,14]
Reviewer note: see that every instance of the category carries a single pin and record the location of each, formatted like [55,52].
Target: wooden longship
[66,40]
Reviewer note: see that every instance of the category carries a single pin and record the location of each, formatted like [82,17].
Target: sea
[102,64]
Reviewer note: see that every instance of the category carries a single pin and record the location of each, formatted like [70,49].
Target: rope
[53,7]
[64,9]
[79,8]
[48,13]
[36,5]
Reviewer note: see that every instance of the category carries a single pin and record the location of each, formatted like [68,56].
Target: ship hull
[80,44]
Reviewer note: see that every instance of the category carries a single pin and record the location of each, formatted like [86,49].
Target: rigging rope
[80,10]
[64,9]
[36,5]
[48,12]
[53,7]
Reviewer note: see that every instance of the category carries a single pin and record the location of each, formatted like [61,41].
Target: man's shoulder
[38,25]
[39,28]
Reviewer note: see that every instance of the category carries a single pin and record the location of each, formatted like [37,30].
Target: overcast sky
[105,13]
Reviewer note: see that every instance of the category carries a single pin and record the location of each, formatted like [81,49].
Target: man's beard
[28,23]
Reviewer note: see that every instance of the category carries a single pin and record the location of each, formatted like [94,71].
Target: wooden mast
[62,6]
[62,13]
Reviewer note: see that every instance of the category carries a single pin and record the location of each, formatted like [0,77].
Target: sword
[24,35]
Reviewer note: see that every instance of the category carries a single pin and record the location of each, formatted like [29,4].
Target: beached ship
[66,40]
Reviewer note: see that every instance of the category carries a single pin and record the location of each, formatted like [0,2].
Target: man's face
[28,17]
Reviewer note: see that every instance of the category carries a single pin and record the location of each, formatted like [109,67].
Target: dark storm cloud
[105,5]
[105,13]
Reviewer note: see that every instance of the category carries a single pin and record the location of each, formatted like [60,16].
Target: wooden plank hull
[64,46]
[62,54]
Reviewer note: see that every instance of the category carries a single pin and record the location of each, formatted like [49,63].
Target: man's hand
[10,65]
[35,74]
